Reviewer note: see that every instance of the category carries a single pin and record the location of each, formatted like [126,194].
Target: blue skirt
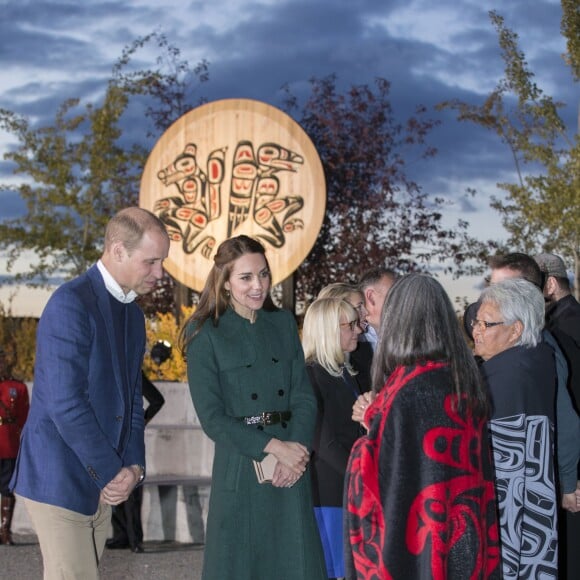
[330,525]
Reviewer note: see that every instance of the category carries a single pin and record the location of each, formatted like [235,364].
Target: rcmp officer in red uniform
[13,412]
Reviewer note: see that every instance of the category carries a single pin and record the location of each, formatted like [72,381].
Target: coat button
[260,427]
[284,424]
[281,392]
[119,418]
[254,396]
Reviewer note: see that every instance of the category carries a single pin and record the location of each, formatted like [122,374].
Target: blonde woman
[362,356]
[330,334]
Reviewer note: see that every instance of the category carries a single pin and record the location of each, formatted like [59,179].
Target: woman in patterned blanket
[520,372]
[419,492]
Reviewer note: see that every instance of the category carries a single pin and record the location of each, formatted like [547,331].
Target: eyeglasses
[483,325]
[352,324]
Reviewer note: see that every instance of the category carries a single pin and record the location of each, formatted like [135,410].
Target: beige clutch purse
[265,468]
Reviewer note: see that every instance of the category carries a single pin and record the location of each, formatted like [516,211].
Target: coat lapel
[104,306]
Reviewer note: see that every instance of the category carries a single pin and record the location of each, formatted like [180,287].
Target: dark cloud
[255,48]
[429,51]
[49,34]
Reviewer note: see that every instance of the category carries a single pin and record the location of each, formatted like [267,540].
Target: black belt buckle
[270,418]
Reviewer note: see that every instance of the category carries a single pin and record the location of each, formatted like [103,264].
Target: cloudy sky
[429,50]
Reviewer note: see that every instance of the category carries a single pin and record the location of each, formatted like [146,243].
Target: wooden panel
[232,167]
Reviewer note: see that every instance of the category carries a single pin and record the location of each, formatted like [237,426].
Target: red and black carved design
[255,193]
[444,516]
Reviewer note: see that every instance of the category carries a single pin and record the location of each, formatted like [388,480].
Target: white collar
[370,336]
[113,286]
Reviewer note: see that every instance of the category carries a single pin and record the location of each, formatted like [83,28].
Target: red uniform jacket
[13,412]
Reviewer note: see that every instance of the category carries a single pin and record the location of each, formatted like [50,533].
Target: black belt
[268,418]
[7,420]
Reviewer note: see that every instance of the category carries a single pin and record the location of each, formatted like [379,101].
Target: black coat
[335,433]
[154,398]
[522,385]
[563,321]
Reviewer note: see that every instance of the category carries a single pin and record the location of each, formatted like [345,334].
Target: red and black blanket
[419,492]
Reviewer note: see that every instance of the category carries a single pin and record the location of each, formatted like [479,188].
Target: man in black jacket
[563,321]
[562,310]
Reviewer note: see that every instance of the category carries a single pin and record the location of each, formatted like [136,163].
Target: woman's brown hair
[214,298]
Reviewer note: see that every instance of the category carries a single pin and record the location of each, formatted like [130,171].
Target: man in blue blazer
[82,448]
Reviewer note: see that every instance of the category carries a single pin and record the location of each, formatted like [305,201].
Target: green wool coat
[238,369]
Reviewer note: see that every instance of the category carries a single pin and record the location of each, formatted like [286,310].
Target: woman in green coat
[252,395]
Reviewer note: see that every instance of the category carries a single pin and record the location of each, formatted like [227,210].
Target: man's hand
[570,502]
[120,487]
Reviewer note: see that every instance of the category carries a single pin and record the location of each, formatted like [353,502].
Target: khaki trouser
[71,543]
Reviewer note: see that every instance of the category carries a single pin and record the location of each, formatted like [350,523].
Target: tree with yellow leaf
[541,210]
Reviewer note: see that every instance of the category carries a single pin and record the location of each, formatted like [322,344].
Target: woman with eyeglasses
[330,333]
[351,294]
[520,373]
[362,356]
[419,499]
[251,392]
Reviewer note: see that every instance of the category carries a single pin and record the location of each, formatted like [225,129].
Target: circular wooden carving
[232,167]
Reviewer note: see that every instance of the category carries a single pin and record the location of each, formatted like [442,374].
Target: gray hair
[419,324]
[518,299]
[375,275]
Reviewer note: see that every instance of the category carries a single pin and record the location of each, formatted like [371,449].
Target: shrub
[165,327]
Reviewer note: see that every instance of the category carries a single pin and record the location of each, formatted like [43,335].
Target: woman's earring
[227,293]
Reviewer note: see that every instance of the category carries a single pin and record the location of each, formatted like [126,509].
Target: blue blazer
[86,412]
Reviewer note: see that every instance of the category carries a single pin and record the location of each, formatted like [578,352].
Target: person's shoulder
[316,370]
[79,285]
[420,387]
[537,356]
[567,319]
[323,383]
[199,330]
[499,361]
[278,317]
[80,292]
[571,303]
[420,377]
[277,313]
[211,330]
[427,377]
[14,383]
[520,362]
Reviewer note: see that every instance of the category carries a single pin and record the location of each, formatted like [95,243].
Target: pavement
[162,560]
